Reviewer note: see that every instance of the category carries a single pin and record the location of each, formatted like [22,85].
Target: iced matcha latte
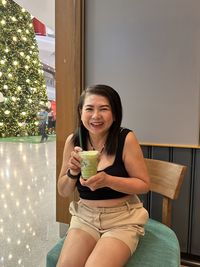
[89,162]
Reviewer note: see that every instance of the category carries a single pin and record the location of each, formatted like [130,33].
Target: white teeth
[97,123]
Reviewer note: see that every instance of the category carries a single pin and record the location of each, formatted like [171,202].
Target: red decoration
[53,107]
[39,27]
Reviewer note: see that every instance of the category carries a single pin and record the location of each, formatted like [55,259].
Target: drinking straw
[80,137]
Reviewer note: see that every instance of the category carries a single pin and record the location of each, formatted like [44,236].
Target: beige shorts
[124,222]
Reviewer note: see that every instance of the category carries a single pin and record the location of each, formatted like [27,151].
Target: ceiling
[43,10]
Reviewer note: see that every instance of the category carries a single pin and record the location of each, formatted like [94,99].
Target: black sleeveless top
[116,169]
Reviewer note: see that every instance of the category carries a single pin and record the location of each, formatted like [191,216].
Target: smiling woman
[110,194]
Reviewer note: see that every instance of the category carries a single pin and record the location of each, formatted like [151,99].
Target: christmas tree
[22,82]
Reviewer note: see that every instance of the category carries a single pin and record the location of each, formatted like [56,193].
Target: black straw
[80,137]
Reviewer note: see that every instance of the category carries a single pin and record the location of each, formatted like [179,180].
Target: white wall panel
[149,50]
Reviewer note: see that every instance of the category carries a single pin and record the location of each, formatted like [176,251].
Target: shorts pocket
[139,216]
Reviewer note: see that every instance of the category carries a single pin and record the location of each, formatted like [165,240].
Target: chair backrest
[166,179]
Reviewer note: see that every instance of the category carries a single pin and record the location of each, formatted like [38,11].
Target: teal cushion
[159,247]
[54,253]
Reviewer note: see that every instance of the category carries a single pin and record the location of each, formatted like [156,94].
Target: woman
[109,217]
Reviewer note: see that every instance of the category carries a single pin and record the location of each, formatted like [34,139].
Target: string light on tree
[1,96]
[3,22]
[4,2]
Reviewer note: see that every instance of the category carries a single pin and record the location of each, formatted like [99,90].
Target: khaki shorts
[123,222]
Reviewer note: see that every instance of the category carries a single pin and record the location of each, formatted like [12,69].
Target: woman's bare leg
[76,249]
[110,252]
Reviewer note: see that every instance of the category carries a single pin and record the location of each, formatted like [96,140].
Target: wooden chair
[159,247]
[166,179]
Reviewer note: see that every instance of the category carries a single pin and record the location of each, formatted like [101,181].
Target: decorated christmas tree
[22,82]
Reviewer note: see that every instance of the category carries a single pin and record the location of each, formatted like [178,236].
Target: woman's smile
[96,124]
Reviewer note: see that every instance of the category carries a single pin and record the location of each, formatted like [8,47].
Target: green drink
[89,162]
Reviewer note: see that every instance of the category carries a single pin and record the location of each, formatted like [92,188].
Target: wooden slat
[166,179]
[169,145]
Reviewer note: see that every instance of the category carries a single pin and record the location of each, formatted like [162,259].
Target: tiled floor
[27,203]
[28,227]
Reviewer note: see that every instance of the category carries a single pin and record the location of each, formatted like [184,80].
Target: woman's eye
[104,109]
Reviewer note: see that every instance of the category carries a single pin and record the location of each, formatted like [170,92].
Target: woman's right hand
[74,163]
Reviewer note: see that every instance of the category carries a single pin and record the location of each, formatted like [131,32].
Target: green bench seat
[158,248]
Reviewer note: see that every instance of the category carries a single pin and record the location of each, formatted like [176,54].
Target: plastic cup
[89,162]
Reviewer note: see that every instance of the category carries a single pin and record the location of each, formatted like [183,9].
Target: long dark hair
[116,108]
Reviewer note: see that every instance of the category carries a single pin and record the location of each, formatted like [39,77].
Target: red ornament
[39,27]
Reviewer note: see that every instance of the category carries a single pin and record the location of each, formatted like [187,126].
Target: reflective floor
[28,228]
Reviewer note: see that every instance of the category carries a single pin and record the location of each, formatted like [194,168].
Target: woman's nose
[96,114]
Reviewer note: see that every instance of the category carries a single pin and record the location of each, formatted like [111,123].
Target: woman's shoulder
[123,134]
[124,131]
[131,139]
[69,139]
[128,136]
[69,146]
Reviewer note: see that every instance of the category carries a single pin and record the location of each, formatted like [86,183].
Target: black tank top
[116,169]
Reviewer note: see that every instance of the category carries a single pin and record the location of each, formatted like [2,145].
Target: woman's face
[96,114]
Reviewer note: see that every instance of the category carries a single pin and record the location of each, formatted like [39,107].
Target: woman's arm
[135,165]
[137,183]
[71,162]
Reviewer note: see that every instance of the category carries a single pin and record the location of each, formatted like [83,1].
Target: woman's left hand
[97,181]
